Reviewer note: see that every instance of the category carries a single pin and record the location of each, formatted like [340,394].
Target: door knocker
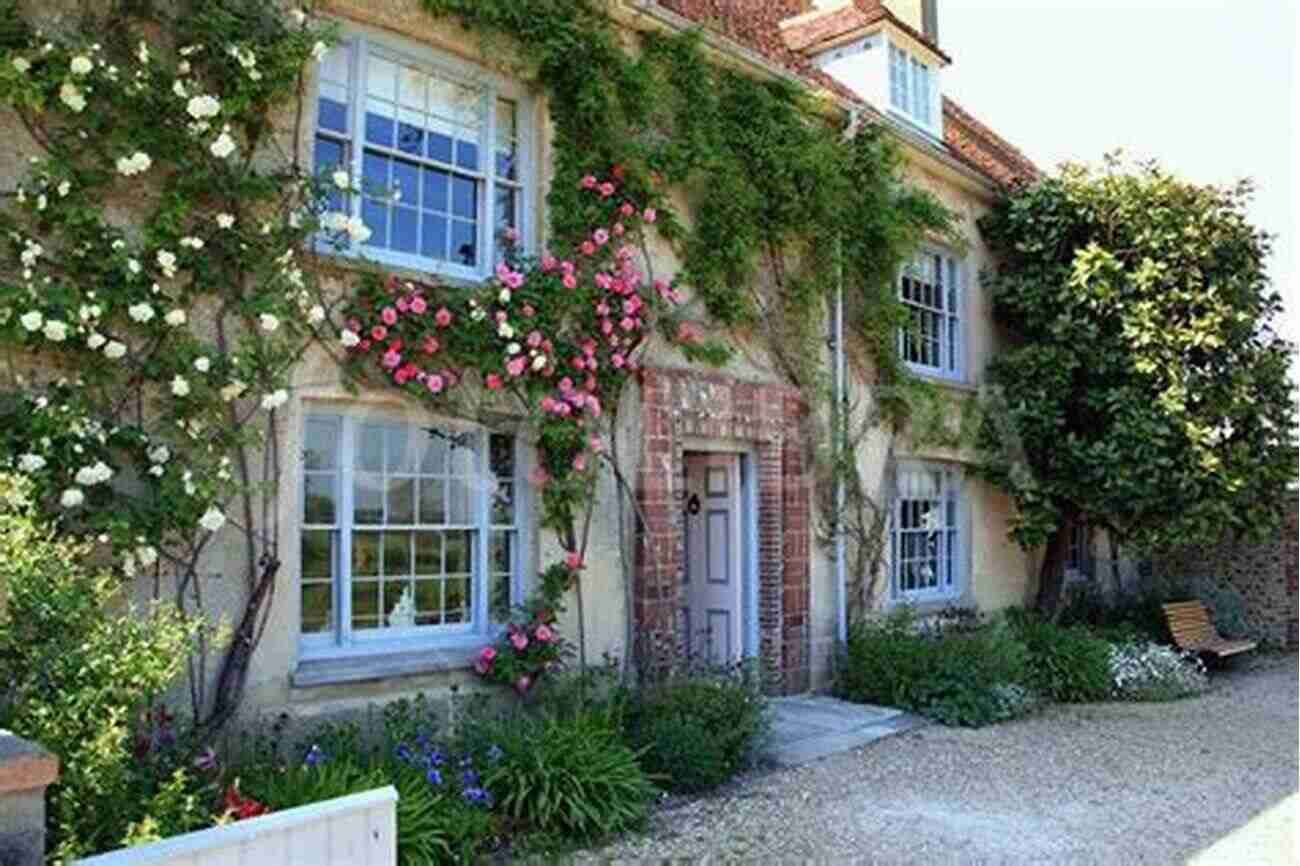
[693,505]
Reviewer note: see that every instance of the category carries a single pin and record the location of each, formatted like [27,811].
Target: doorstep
[808,727]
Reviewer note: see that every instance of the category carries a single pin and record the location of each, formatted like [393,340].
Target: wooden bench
[1189,623]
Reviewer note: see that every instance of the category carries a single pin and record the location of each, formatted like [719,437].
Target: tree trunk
[1051,576]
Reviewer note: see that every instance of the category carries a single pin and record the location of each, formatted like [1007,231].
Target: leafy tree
[1145,388]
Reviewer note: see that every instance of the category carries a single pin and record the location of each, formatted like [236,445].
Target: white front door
[712,617]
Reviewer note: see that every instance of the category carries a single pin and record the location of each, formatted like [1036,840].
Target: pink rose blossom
[593,405]
[493,382]
[606,327]
[627,209]
[434,384]
[578,363]
[600,237]
[389,316]
[391,359]
[566,385]
[442,317]
[617,361]
[570,281]
[515,366]
[481,668]
[580,463]
[650,215]
[538,477]
[364,345]
[523,684]
[589,182]
[543,633]
[686,332]
[597,445]
[606,189]
[549,263]
[619,229]
[528,311]
[588,248]
[419,305]
[519,640]
[573,560]
[626,323]
[378,332]
[431,345]
[534,339]
[403,305]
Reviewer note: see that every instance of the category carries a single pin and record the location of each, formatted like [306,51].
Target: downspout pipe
[838,445]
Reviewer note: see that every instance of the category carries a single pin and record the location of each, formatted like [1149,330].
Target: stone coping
[24,765]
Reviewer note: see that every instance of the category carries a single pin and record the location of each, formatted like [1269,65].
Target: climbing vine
[160,281]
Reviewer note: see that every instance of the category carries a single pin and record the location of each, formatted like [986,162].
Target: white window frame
[952,338]
[363,43]
[342,640]
[909,75]
[952,534]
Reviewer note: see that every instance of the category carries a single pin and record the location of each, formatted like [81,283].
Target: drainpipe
[838,444]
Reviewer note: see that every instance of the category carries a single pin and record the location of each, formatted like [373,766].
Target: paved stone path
[1105,784]
[808,727]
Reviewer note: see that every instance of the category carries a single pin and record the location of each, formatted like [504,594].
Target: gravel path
[1106,784]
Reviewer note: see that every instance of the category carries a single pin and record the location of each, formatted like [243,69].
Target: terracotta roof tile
[811,30]
[756,24]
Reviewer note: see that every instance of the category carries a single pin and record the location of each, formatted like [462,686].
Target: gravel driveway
[1104,783]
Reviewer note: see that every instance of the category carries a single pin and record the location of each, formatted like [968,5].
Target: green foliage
[1066,664]
[696,732]
[1146,388]
[968,676]
[77,664]
[567,776]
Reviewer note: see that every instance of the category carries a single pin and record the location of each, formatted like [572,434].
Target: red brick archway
[767,420]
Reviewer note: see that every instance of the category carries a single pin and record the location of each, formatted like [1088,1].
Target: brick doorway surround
[767,420]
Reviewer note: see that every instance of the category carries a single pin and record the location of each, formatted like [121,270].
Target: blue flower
[466,762]
[434,777]
[404,753]
[422,740]
[495,753]
[469,779]
[314,756]
[435,758]
[477,795]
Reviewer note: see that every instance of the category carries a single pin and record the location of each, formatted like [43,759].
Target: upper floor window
[930,289]
[406,531]
[438,148]
[926,558]
[911,87]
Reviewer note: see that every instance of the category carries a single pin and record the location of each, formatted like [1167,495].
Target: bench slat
[1189,623]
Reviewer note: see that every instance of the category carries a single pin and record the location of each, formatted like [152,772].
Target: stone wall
[1263,574]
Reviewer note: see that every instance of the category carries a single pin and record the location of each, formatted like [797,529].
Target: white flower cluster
[1142,671]
[134,164]
[352,226]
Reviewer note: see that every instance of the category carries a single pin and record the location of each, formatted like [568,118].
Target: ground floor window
[926,546]
[407,531]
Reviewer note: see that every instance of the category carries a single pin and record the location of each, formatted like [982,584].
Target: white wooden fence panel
[360,830]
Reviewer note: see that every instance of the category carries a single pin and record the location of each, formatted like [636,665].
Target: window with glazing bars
[437,147]
[925,537]
[929,287]
[405,530]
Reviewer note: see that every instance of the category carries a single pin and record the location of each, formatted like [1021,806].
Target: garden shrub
[698,731]
[78,667]
[1153,672]
[1066,664]
[570,777]
[970,677]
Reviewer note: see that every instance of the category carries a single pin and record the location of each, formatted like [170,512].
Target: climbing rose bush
[558,337]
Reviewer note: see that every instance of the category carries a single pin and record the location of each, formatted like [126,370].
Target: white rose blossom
[32,320]
[203,365]
[180,386]
[89,476]
[212,519]
[320,50]
[224,146]
[348,338]
[203,106]
[70,96]
[137,163]
[225,220]
[175,318]
[275,400]
[114,350]
[95,340]
[81,65]
[22,64]
[159,454]
[268,322]
[30,463]
[141,312]
[71,498]
[316,314]
[55,331]
[167,261]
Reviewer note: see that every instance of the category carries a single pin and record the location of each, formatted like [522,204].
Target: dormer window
[911,87]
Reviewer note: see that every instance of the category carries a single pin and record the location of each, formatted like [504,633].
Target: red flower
[240,807]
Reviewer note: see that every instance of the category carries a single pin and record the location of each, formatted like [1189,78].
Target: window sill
[355,262]
[954,383]
[372,665]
